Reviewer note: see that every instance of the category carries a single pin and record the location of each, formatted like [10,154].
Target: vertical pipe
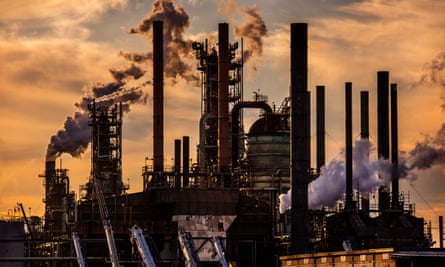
[158,97]
[177,163]
[348,135]
[185,159]
[364,114]
[321,142]
[223,98]
[441,231]
[394,147]
[383,129]
[300,138]
[364,135]
[383,114]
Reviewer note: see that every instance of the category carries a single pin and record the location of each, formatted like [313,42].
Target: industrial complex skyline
[54,53]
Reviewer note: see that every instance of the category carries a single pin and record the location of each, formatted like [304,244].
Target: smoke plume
[137,57]
[252,29]
[434,71]
[178,50]
[369,174]
[429,152]
[75,136]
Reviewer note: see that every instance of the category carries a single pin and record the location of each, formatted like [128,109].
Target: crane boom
[188,249]
[25,218]
[107,224]
[138,238]
[78,249]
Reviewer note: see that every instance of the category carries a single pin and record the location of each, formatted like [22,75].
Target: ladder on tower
[107,224]
[137,237]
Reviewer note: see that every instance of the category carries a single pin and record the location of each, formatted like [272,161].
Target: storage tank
[268,152]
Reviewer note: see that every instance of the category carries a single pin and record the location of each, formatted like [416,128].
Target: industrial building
[223,209]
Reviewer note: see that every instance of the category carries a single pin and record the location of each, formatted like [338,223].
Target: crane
[25,218]
[107,224]
[219,249]
[137,237]
[188,249]
[78,249]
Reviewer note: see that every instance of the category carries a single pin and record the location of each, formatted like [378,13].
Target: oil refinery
[227,209]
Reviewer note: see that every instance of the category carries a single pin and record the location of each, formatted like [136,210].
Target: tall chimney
[383,114]
[158,97]
[300,138]
[349,205]
[394,148]
[364,114]
[321,142]
[177,163]
[364,134]
[185,159]
[383,129]
[223,98]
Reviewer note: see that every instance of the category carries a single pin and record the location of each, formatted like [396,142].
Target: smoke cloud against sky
[368,174]
[51,49]
[251,28]
[76,135]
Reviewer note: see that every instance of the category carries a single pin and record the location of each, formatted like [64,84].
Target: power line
[424,200]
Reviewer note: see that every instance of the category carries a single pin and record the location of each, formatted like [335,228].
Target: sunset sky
[52,51]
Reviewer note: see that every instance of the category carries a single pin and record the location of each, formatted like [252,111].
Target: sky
[55,53]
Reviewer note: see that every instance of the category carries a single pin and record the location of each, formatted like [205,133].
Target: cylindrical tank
[268,153]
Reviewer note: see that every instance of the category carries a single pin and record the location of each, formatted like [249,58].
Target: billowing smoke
[434,71]
[137,57]
[73,139]
[429,152]
[76,135]
[252,29]
[178,50]
[329,187]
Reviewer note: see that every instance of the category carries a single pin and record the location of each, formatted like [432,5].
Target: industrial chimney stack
[349,205]
[321,142]
[300,138]
[394,148]
[224,148]
[158,97]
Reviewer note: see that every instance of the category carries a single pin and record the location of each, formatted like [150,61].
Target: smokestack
[185,159]
[364,133]
[394,148]
[223,98]
[383,129]
[348,122]
[177,163]
[383,114]
[440,231]
[364,114]
[158,97]
[321,142]
[300,138]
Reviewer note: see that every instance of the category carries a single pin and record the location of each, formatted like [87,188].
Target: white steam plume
[330,186]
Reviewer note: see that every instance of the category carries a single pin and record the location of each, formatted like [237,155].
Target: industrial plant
[229,207]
